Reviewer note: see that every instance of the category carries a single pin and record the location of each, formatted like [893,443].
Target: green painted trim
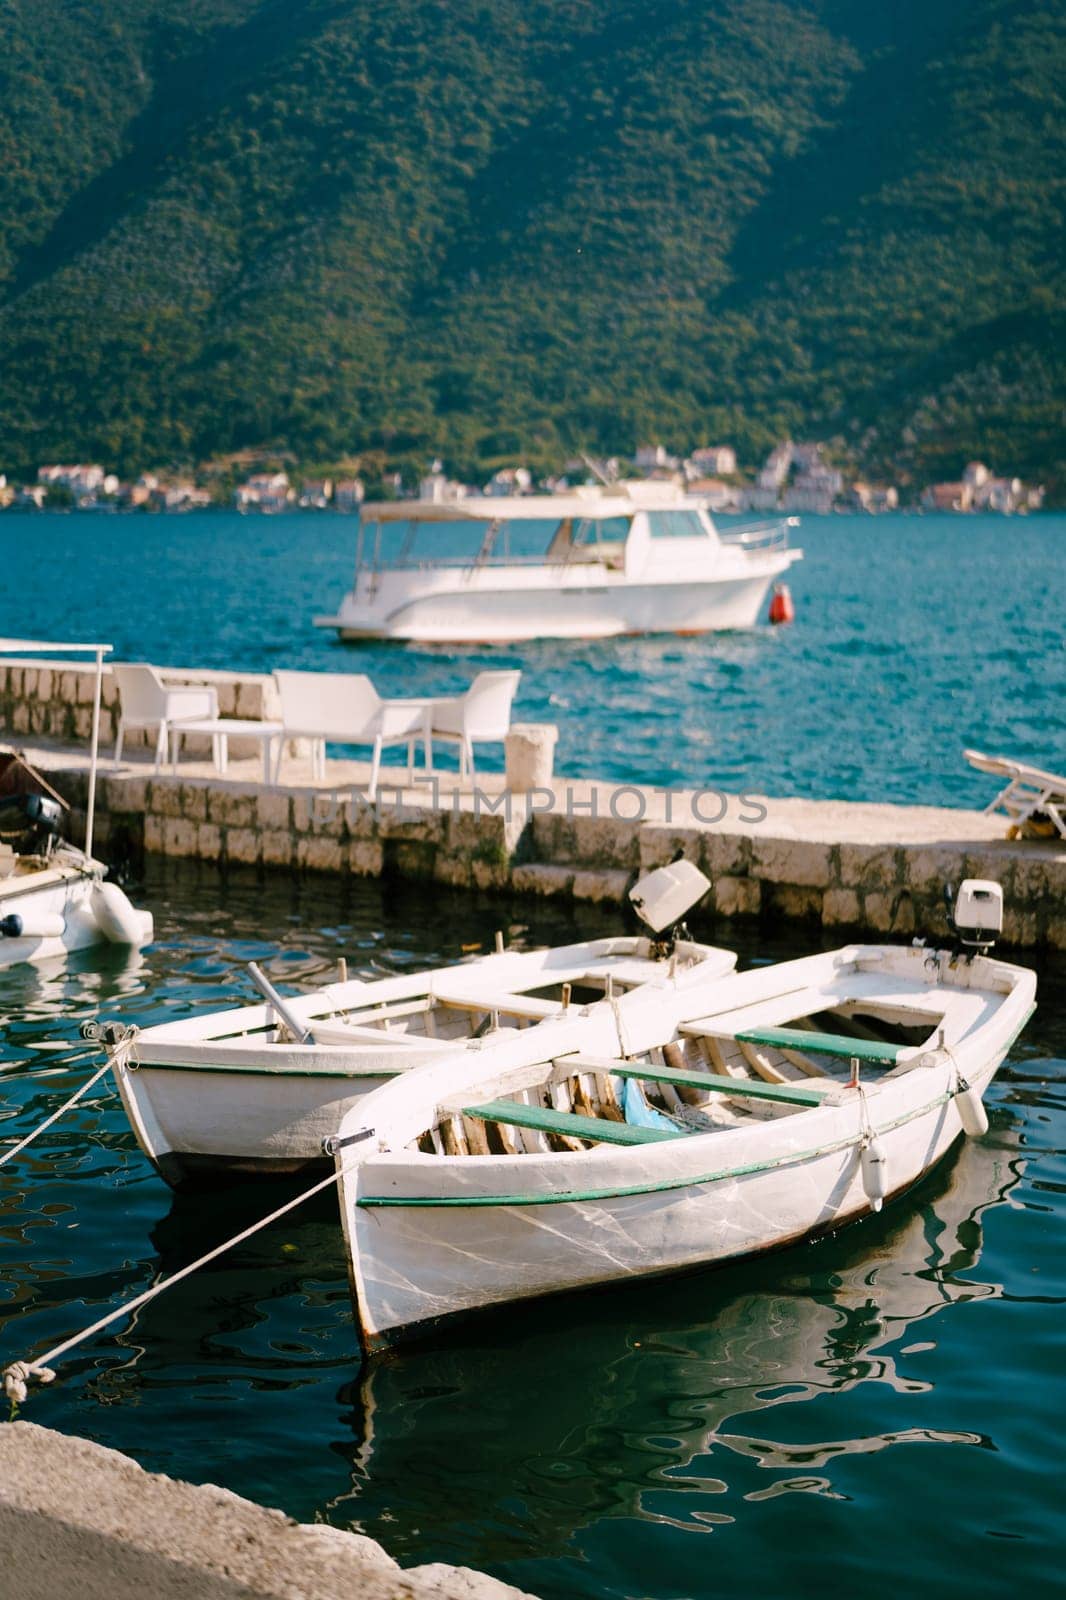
[266,1072]
[827,1044]
[570,1197]
[539,1118]
[746,1088]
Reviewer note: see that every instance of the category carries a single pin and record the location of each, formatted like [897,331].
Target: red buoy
[781,607]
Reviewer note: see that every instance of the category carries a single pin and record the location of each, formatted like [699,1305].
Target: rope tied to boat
[119,1042]
[18,1375]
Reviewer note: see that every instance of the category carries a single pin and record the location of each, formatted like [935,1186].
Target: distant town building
[184,496]
[315,494]
[980,491]
[510,480]
[712,461]
[718,496]
[31,497]
[650,457]
[135,495]
[80,480]
[348,494]
[946,497]
[86,483]
[774,472]
[264,491]
[864,497]
[438,488]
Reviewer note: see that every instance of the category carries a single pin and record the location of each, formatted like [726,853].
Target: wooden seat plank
[805,1094]
[828,1044]
[568,1122]
[749,1088]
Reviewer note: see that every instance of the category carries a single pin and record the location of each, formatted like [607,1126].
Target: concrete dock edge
[79,1519]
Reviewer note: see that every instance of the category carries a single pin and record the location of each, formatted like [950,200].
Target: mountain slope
[488,228]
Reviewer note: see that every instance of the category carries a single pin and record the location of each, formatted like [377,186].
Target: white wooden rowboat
[703,1124]
[881,1299]
[247,1090]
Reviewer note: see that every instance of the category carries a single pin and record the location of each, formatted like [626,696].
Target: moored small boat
[724,1120]
[53,896]
[256,1089]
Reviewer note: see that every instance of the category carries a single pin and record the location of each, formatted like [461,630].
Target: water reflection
[573,1448]
[650,1403]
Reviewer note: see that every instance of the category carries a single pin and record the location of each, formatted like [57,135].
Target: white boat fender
[872,1159]
[874,1171]
[118,920]
[32,925]
[971,1109]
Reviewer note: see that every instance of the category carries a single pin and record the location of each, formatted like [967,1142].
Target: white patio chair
[482,715]
[145,701]
[345,708]
[1028,790]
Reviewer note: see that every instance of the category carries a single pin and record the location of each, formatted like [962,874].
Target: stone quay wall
[858,868]
[54,700]
[871,870]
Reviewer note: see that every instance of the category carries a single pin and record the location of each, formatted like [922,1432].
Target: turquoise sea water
[877,1412]
[915,636]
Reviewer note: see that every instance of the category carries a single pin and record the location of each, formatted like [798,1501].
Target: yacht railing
[760,535]
[459,563]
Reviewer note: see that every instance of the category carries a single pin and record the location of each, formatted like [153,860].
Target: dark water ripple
[878,1406]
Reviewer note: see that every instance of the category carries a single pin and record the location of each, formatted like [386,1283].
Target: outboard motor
[975,914]
[30,823]
[664,897]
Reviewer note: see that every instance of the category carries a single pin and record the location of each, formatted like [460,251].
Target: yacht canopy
[591,503]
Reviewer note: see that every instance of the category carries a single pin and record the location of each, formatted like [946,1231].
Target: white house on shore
[264,491]
[348,494]
[712,461]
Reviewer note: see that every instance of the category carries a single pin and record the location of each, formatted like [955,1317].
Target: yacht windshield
[676,525]
[418,543]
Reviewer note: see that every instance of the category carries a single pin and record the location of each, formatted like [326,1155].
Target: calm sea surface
[914,637]
[879,1411]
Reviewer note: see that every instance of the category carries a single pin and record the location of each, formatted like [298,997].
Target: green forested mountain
[488,229]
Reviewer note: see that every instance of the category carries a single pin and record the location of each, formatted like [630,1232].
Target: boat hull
[210,1095]
[195,1128]
[71,894]
[673,1208]
[596,610]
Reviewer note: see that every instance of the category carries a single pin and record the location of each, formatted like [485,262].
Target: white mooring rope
[9,1155]
[18,1374]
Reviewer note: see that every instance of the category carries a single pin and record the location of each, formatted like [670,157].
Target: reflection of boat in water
[649,1409]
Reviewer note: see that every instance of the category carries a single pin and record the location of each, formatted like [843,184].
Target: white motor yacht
[628,558]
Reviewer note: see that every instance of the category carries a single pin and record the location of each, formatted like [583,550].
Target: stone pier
[78,1519]
[858,868]
[867,869]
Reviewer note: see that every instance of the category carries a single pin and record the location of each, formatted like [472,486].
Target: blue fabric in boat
[636,1110]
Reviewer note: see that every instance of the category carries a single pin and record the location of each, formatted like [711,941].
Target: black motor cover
[29,822]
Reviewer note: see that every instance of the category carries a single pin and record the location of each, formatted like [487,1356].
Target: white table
[222,729]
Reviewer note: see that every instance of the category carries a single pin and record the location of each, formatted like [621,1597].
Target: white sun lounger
[1027,790]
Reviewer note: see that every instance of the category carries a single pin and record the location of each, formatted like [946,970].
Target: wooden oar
[301,1032]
